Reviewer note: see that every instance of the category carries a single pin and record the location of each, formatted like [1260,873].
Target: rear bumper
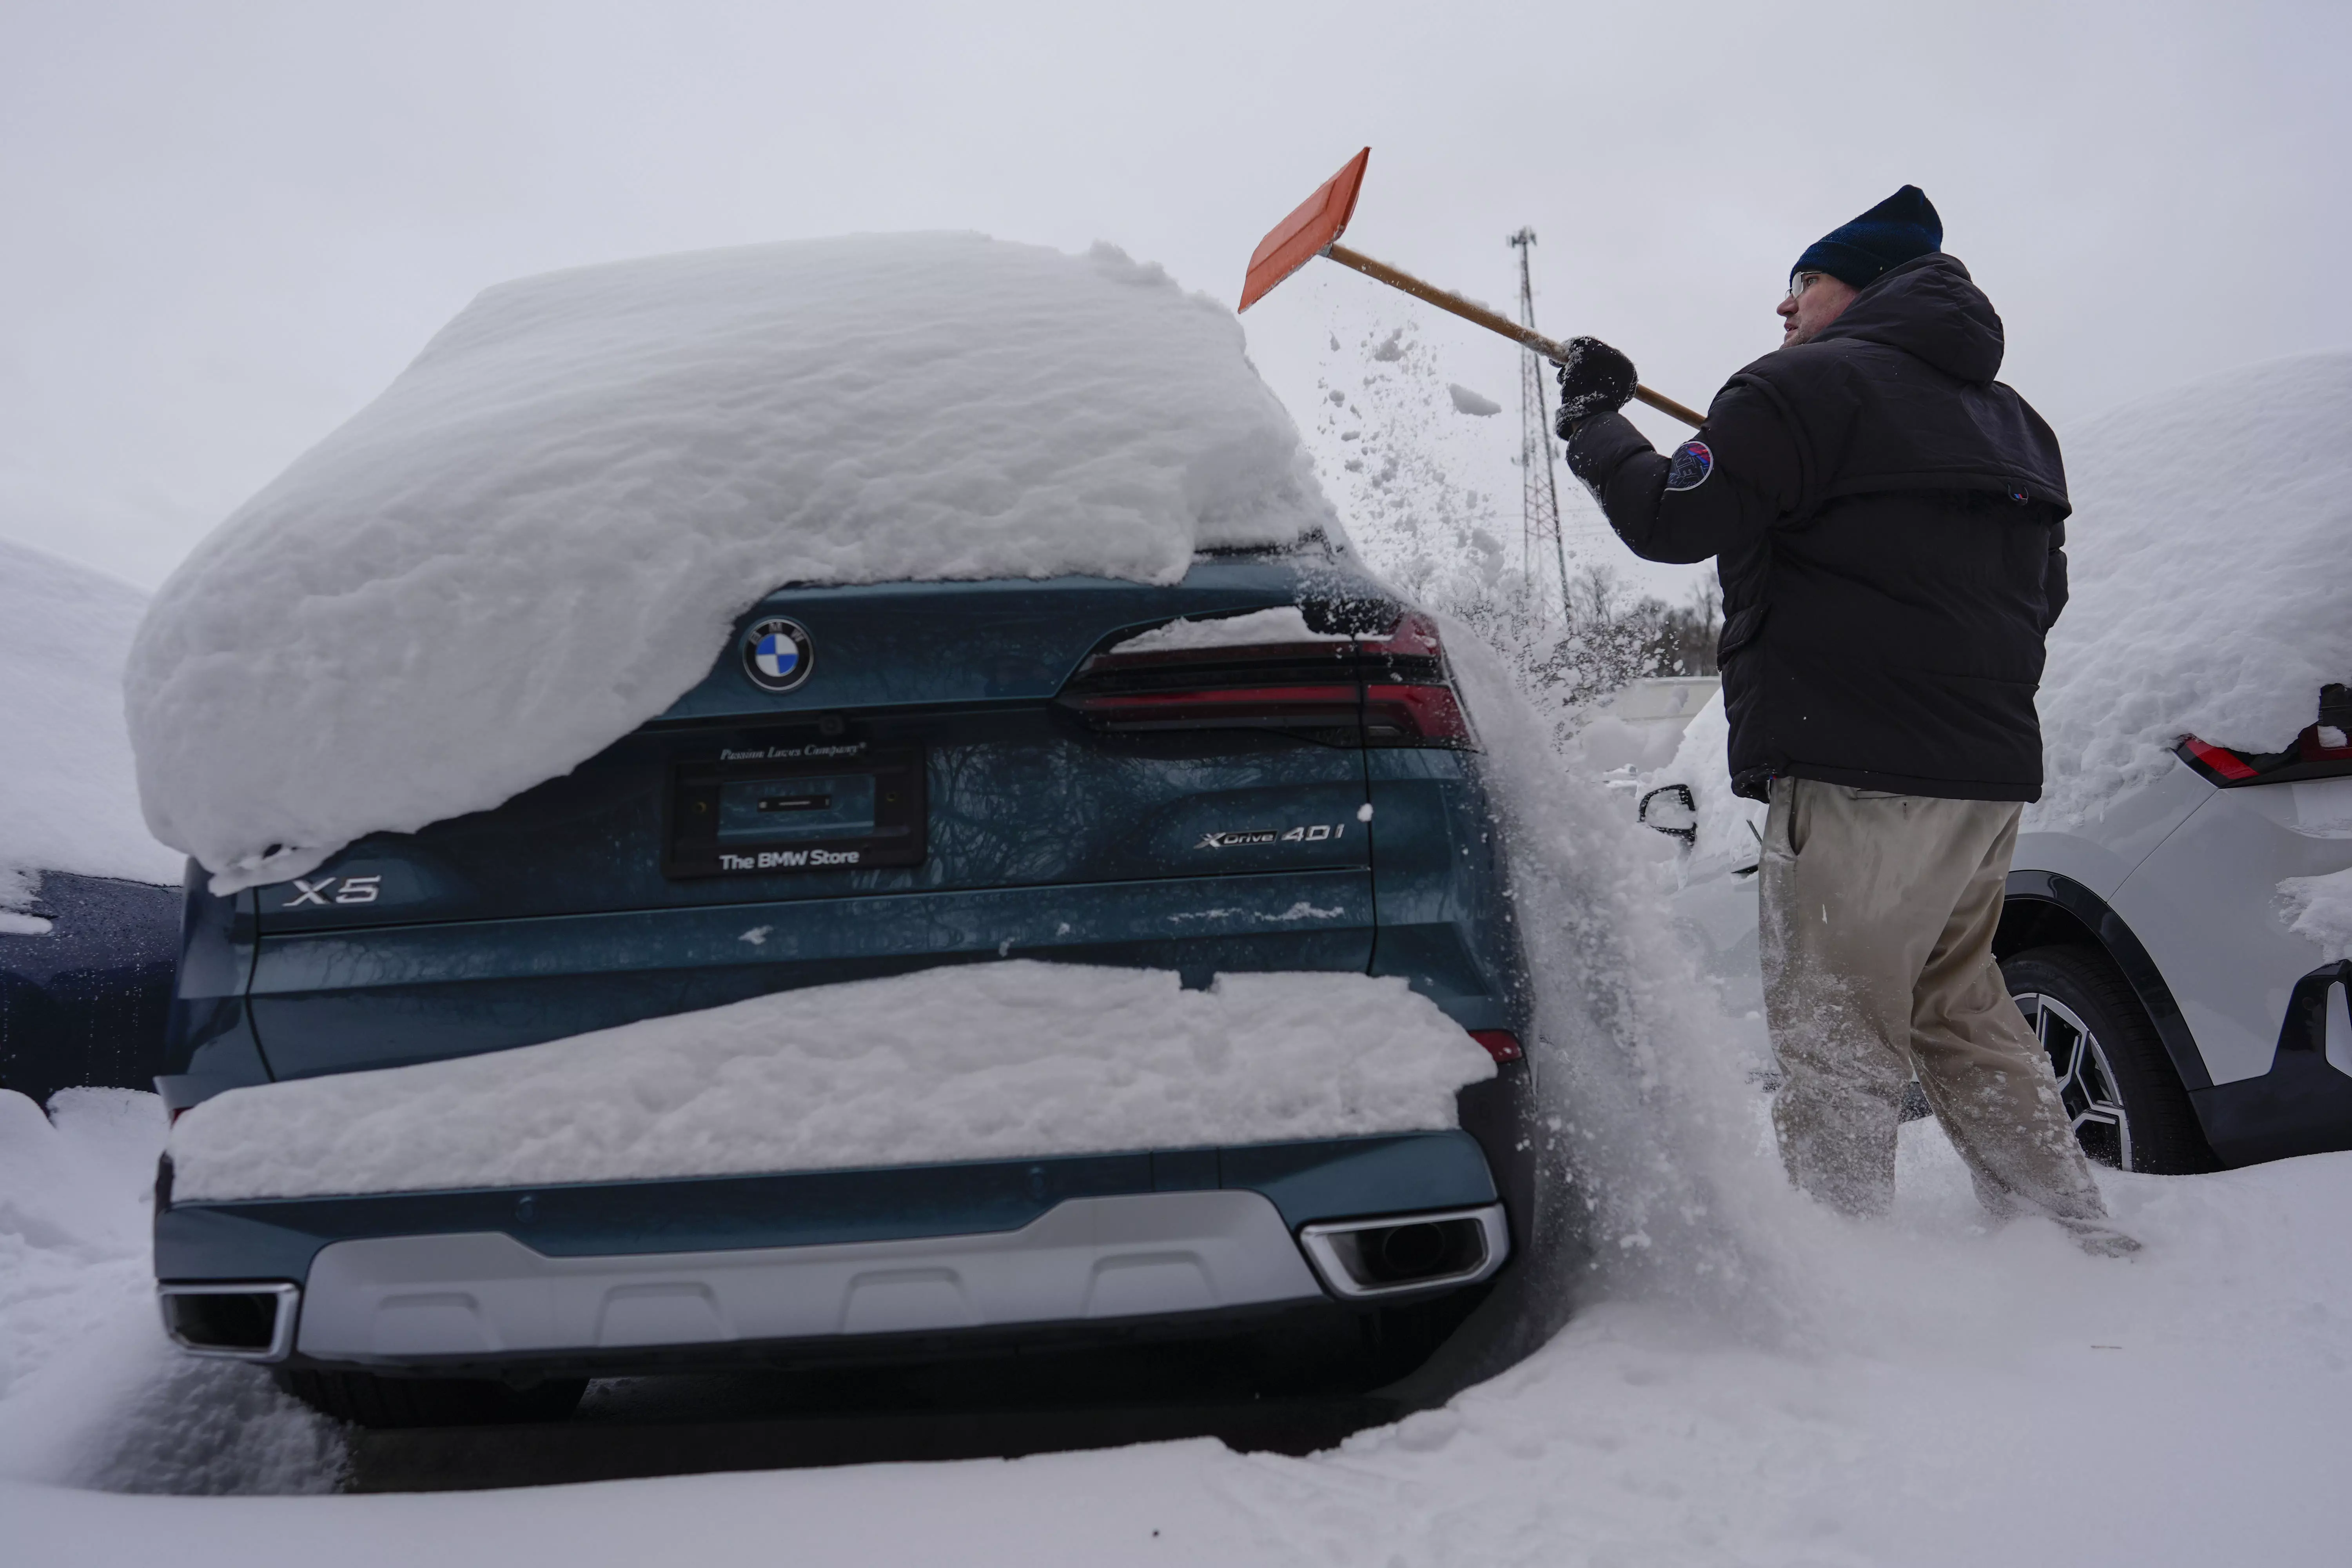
[2303,1104]
[651,1273]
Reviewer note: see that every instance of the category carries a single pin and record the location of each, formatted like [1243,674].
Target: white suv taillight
[2323,751]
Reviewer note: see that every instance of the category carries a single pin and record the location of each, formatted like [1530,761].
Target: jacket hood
[1929,308]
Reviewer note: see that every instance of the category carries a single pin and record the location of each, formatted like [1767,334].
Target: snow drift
[91,1394]
[2319,908]
[2207,549]
[70,1205]
[1915,1426]
[67,802]
[538,537]
[997,1061]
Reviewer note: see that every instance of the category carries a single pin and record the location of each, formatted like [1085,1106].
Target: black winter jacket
[1888,521]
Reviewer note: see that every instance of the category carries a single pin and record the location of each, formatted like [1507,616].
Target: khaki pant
[1877,925]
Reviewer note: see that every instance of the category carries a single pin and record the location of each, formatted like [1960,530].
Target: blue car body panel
[566,910]
[85,1002]
[208,1039]
[346,1001]
[1443,913]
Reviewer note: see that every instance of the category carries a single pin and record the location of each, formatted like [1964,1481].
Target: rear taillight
[1413,716]
[1386,690]
[1501,1044]
[2219,764]
[1409,697]
[1414,637]
[2311,757]
[1319,707]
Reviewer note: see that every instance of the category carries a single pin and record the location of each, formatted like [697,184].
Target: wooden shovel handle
[1524,337]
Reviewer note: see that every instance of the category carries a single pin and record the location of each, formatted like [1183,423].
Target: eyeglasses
[1797,285]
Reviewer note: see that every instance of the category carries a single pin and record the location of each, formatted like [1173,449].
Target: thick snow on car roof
[2208,551]
[66,798]
[538,537]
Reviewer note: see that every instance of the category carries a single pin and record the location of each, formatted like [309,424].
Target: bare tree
[1611,640]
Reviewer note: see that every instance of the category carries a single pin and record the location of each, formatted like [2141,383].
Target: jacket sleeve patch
[1693,463]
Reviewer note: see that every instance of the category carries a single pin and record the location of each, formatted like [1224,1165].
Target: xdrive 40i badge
[1306,833]
[777,654]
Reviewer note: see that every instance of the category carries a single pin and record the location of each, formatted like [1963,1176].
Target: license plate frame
[693,842]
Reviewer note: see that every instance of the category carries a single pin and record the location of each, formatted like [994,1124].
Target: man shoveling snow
[1888,520]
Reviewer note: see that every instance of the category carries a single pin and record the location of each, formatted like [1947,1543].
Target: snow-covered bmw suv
[1110,943]
[1299,804]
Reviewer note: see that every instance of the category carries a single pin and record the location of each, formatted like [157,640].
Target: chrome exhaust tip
[239,1321]
[1395,1253]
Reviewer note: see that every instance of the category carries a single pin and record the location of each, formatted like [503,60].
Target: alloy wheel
[2086,1085]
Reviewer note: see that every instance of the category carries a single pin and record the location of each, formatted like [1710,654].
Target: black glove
[1594,379]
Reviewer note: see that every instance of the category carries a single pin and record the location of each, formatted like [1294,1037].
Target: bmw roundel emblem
[777,654]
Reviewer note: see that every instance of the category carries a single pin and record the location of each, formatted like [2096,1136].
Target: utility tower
[1538,476]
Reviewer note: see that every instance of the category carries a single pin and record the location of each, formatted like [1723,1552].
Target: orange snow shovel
[1314,229]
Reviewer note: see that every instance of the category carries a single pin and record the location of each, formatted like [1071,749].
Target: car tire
[369,1400]
[2126,1102]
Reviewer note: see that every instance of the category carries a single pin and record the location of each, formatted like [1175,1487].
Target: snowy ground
[1917,1392]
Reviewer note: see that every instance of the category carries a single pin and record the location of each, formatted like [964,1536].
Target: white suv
[2190,1015]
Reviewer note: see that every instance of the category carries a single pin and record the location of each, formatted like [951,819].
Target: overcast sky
[229,224]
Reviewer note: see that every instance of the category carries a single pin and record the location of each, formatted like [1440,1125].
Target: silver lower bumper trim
[394,1298]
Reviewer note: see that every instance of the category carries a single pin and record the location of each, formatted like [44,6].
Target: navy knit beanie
[1897,230]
